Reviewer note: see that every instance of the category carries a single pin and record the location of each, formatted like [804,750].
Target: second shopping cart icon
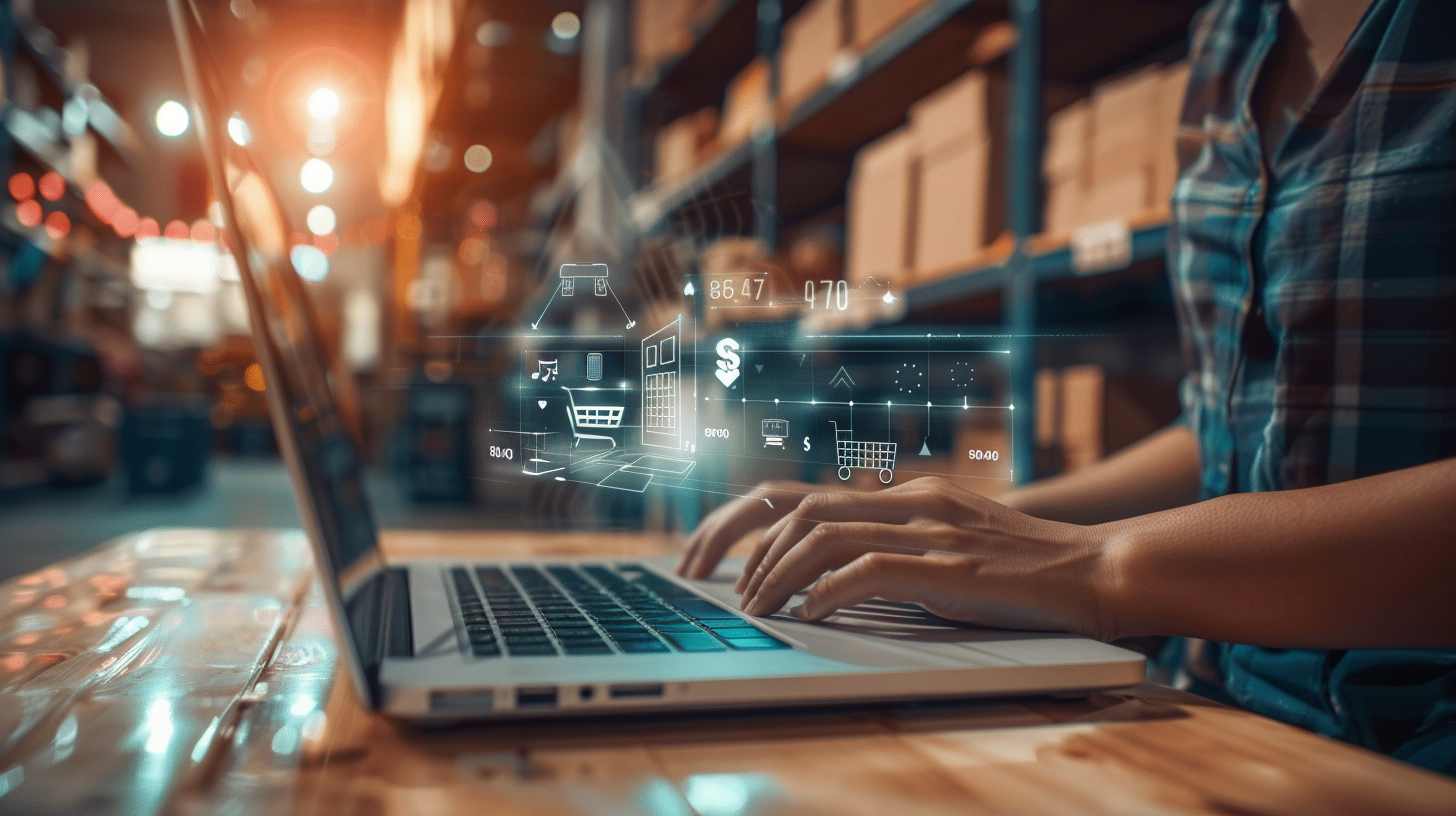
[863,455]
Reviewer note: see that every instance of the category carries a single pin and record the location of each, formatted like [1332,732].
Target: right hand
[728,524]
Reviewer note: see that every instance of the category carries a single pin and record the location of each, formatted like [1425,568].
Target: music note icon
[546,370]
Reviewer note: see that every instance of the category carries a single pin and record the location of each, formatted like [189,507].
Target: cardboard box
[954,220]
[962,171]
[682,143]
[1126,113]
[747,105]
[660,30]
[1101,415]
[1068,142]
[1120,197]
[1173,87]
[968,108]
[812,40]
[882,205]
[872,19]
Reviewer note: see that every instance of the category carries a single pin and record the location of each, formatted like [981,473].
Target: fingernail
[800,611]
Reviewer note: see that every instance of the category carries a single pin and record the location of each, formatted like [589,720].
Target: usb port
[635,691]
[536,697]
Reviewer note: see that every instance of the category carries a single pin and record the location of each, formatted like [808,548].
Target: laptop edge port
[635,691]
[536,697]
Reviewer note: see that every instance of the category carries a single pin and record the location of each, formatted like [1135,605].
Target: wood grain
[305,744]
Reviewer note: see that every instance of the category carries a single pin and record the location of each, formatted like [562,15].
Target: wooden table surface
[187,671]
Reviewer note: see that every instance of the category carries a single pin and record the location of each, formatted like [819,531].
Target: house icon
[596,273]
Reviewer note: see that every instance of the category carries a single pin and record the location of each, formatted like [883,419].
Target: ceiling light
[323,103]
[321,219]
[172,118]
[478,158]
[238,131]
[566,25]
[316,176]
[309,262]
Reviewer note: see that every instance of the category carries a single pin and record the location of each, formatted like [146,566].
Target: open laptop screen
[311,430]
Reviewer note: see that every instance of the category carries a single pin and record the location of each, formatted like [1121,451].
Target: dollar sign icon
[728,362]
[807,445]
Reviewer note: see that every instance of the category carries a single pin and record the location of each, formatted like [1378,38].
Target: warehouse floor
[58,524]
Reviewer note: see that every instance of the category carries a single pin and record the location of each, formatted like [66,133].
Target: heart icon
[727,376]
[541,404]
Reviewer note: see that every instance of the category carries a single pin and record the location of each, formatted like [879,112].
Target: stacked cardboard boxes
[1084,414]
[747,105]
[882,202]
[928,198]
[684,143]
[961,145]
[813,38]
[1112,157]
[662,29]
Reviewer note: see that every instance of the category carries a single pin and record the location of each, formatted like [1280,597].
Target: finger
[882,507]
[738,519]
[756,556]
[783,534]
[892,576]
[885,506]
[828,547]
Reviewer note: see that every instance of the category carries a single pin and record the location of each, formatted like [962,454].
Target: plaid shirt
[1317,299]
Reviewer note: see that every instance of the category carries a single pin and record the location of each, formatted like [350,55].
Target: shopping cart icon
[865,455]
[585,418]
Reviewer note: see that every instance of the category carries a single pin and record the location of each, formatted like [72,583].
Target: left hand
[960,555]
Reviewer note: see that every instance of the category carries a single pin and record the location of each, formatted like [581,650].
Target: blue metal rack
[795,167]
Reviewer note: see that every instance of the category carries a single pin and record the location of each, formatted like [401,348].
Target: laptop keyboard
[597,609]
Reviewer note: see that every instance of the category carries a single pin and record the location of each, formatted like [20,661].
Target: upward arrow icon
[841,379]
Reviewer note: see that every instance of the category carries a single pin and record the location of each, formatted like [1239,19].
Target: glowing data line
[549,301]
[964,406]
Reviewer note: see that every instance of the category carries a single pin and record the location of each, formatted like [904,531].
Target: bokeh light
[309,262]
[238,131]
[172,118]
[51,186]
[22,186]
[316,175]
[321,219]
[566,25]
[57,225]
[323,103]
[478,158]
[28,213]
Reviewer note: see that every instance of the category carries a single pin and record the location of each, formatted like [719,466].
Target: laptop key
[756,643]
[485,650]
[696,643]
[683,628]
[532,650]
[642,646]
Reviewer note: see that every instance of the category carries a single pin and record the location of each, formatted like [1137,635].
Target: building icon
[571,274]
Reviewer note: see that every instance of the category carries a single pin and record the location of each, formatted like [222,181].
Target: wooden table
[195,672]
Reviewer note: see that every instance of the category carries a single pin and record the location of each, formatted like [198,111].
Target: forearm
[1365,563]
[1155,474]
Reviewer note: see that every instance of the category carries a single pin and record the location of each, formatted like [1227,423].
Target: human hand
[724,526]
[958,554]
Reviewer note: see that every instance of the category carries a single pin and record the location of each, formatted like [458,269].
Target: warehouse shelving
[796,165]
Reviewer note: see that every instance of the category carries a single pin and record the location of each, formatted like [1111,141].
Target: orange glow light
[58,225]
[203,231]
[253,377]
[28,213]
[102,201]
[52,186]
[124,221]
[175,229]
[148,228]
[22,186]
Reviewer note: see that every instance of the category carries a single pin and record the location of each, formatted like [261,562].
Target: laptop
[456,639]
